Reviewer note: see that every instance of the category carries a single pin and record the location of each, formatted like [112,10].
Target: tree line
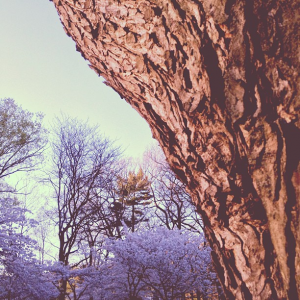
[121,231]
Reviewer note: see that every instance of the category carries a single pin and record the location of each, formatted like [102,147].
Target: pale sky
[41,69]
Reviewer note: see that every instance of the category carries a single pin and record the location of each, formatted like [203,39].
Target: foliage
[134,194]
[22,138]
[21,276]
[100,209]
[160,262]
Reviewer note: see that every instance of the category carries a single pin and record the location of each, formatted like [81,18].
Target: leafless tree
[173,206]
[83,164]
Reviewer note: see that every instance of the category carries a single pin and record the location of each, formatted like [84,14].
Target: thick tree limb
[218,83]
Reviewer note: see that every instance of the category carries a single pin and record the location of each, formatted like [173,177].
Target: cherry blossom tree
[21,277]
[161,262]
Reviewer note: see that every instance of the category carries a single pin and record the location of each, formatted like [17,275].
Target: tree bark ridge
[218,83]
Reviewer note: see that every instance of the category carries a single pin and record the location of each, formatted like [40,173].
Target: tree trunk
[218,83]
[62,289]
[63,259]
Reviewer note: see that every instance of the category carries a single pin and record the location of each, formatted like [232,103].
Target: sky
[42,71]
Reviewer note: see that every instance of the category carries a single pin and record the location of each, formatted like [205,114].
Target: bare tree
[218,82]
[173,205]
[82,165]
[43,233]
[104,219]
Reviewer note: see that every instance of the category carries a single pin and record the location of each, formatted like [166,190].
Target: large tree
[22,138]
[146,263]
[218,83]
[82,166]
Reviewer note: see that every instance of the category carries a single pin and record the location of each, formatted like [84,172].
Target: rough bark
[218,83]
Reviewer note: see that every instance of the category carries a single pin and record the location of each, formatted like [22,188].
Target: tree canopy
[96,211]
[164,263]
[22,138]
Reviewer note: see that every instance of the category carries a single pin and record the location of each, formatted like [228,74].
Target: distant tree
[22,138]
[82,165]
[173,206]
[22,143]
[78,280]
[106,219]
[162,262]
[21,276]
[134,192]
[42,234]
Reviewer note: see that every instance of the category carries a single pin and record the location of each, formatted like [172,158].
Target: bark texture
[218,83]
